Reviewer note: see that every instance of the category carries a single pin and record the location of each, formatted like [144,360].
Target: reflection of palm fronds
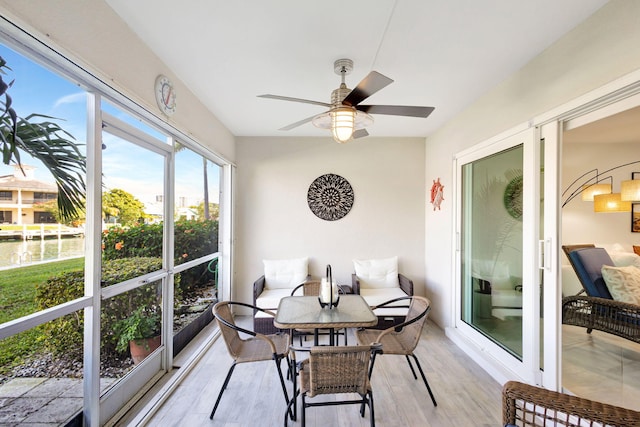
[492,225]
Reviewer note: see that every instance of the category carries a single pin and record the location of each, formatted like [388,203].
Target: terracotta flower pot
[140,349]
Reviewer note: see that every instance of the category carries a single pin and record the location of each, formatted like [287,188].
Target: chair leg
[367,399]
[415,377]
[304,406]
[424,378]
[371,412]
[224,386]
[284,387]
[373,361]
[288,412]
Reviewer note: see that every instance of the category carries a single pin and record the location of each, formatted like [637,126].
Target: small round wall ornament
[513,197]
[330,197]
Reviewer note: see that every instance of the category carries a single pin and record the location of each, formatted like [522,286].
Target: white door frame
[494,354]
[618,94]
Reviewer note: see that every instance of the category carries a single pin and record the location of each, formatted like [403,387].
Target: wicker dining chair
[312,288]
[256,348]
[531,406]
[403,338]
[333,370]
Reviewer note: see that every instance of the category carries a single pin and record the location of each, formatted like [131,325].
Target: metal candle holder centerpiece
[329,296]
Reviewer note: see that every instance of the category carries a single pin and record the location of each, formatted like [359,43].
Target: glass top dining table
[305,312]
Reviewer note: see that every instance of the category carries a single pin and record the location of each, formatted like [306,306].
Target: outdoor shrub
[193,239]
[65,335]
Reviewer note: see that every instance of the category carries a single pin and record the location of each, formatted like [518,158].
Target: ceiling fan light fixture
[346,117]
[342,123]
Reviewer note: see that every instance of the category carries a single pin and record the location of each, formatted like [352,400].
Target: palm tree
[179,147]
[45,141]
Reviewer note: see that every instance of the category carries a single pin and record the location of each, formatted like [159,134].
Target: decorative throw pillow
[377,273]
[285,273]
[636,249]
[624,259]
[623,283]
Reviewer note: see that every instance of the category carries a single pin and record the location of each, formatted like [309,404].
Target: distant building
[21,195]
[186,213]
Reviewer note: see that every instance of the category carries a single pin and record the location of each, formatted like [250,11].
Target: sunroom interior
[570,104]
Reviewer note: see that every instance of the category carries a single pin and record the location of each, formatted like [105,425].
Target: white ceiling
[622,128]
[440,53]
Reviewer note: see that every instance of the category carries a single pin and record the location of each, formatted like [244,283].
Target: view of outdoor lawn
[44,233]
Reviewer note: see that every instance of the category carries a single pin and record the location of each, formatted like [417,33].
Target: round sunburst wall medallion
[330,197]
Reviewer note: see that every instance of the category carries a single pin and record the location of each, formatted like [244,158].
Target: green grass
[17,299]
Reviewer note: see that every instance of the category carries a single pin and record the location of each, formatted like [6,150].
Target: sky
[125,165]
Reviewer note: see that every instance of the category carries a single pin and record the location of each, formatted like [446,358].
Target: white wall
[93,36]
[580,224]
[273,220]
[601,49]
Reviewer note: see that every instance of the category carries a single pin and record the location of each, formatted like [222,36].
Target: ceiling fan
[346,117]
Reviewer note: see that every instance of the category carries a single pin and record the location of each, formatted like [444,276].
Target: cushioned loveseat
[280,277]
[503,290]
[378,281]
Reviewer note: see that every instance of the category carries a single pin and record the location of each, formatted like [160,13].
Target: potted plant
[139,332]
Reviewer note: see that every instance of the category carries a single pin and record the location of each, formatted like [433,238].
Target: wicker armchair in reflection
[403,338]
[256,348]
[334,370]
[528,405]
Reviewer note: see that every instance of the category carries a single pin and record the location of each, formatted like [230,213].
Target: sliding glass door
[492,247]
[501,252]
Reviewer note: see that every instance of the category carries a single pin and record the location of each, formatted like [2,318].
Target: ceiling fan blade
[360,133]
[287,98]
[397,110]
[367,87]
[299,123]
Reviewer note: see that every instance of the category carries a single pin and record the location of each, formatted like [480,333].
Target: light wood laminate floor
[601,366]
[467,396]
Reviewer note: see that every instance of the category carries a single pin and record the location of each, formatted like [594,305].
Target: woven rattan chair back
[403,338]
[334,370]
[409,337]
[256,348]
[531,406]
[232,340]
[311,288]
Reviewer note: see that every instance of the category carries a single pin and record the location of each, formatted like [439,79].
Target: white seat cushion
[270,298]
[506,298]
[377,296]
[285,273]
[377,273]
[503,313]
